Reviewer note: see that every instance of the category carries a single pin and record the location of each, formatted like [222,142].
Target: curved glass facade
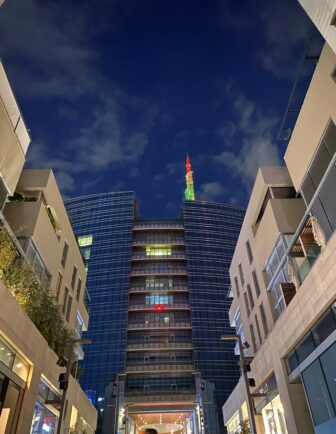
[103,224]
[211,233]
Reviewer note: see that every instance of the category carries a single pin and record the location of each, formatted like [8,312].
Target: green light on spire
[189,192]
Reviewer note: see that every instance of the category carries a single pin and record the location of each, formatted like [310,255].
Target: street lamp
[71,347]
[250,404]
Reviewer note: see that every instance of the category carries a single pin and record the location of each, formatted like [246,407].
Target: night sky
[115,92]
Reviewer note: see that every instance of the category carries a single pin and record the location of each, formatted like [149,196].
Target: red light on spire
[159,307]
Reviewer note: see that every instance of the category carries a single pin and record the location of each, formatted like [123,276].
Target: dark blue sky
[115,92]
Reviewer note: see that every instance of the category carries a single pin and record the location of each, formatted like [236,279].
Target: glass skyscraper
[158,308]
[103,224]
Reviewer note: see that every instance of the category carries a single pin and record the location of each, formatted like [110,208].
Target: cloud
[134,173]
[253,131]
[210,191]
[65,182]
[284,25]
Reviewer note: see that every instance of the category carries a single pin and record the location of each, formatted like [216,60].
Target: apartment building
[283,277]
[35,229]
[323,15]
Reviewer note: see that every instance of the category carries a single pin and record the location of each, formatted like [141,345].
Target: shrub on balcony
[34,298]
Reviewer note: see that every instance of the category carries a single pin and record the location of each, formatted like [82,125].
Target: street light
[250,404]
[71,347]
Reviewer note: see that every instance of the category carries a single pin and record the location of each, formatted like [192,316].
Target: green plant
[34,298]
[244,428]
[19,197]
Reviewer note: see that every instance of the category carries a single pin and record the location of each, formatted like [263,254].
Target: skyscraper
[158,307]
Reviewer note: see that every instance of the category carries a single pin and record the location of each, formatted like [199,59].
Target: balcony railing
[178,241]
[157,226]
[148,271]
[160,346]
[172,306]
[152,258]
[159,367]
[156,325]
[144,289]
[160,395]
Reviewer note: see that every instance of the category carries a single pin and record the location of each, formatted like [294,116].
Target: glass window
[317,393]
[10,409]
[249,251]
[256,283]
[21,368]
[79,288]
[158,251]
[68,309]
[292,361]
[6,355]
[241,275]
[250,296]
[258,329]
[263,319]
[58,286]
[273,417]
[247,304]
[236,286]
[64,253]
[73,277]
[305,348]
[324,327]
[253,338]
[65,300]
[85,240]
[328,362]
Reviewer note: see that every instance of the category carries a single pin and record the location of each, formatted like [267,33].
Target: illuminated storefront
[273,417]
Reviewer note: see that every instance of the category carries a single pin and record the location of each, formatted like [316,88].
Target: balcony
[155,226]
[173,306]
[148,346]
[144,289]
[159,271]
[139,257]
[155,325]
[160,396]
[159,367]
[144,241]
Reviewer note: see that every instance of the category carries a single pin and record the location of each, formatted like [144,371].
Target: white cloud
[253,131]
[210,191]
[65,182]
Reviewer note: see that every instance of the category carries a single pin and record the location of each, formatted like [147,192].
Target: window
[249,251]
[64,253]
[79,288]
[247,304]
[241,275]
[85,240]
[329,369]
[236,286]
[58,286]
[317,393]
[68,309]
[73,278]
[263,319]
[158,251]
[250,296]
[258,329]
[256,283]
[253,338]
[65,299]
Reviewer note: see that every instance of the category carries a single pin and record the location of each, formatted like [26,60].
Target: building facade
[282,275]
[34,228]
[170,296]
[323,15]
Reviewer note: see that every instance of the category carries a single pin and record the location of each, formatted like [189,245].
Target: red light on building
[159,307]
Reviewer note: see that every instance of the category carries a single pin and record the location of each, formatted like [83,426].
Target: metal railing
[145,271]
[159,367]
[172,306]
[158,290]
[144,257]
[156,325]
[159,345]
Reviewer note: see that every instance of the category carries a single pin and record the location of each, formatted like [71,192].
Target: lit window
[158,251]
[85,240]
[159,299]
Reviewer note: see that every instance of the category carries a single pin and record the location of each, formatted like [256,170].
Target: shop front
[14,371]
[271,409]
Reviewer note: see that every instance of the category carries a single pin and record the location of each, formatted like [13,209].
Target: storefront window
[233,425]
[44,421]
[6,355]
[273,417]
[21,368]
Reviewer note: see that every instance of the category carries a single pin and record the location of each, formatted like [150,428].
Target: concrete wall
[30,219]
[16,327]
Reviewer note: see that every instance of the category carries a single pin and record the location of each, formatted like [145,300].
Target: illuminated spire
[189,192]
